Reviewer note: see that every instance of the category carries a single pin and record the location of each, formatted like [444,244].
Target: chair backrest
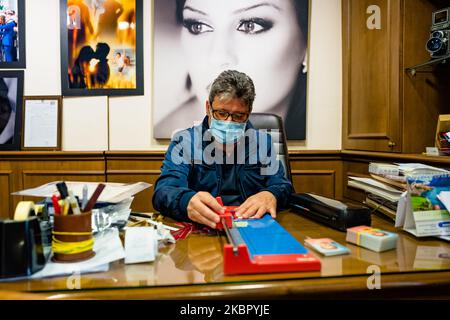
[274,126]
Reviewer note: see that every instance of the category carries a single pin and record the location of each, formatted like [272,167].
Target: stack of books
[387,183]
[383,188]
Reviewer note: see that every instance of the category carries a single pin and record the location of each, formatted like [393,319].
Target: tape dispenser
[21,245]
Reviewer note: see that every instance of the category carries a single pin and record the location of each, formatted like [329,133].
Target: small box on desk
[371,238]
[442,142]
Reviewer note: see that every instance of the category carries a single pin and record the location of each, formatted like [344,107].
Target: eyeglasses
[224,115]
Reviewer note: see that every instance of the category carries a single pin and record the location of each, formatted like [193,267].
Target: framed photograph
[42,123]
[101,47]
[194,41]
[12,34]
[11,95]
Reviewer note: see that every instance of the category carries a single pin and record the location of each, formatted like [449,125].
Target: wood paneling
[5,199]
[318,172]
[322,182]
[371,76]
[30,169]
[129,167]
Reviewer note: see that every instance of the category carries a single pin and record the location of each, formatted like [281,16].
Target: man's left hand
[257,205]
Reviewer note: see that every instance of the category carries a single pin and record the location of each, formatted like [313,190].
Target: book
[380,208]
[383,168]
[372,186]
[397,183]
[326,246]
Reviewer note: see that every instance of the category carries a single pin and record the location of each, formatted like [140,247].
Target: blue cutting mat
[267,236]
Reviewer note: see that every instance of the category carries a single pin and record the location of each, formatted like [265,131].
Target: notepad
[141,245]
[326,246]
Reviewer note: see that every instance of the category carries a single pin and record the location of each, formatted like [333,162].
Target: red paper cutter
[263,246]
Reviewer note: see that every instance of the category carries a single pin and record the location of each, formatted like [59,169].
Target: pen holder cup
[72,237]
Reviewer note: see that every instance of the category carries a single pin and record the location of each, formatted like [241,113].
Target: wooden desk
[192,269]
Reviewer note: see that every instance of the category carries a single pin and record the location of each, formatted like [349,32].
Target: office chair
[274,126]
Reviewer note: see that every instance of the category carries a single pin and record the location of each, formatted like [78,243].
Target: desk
[192,269]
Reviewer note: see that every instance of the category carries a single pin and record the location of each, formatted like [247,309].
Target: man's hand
[257,205]
[202,208]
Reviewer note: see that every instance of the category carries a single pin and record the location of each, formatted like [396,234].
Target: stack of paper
[374,239]
[113,192]
[375,187]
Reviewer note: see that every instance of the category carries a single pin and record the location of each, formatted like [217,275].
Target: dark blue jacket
[186,171]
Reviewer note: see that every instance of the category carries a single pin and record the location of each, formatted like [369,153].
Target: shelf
[422,67]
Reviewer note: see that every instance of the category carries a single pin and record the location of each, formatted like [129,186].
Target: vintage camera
[437,44]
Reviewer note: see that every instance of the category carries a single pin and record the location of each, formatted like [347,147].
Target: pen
[73,203]
[94,197]
[85,197]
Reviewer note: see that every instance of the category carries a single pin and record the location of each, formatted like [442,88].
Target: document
[113,192]
[41,123]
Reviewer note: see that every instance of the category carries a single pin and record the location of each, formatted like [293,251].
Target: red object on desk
[228,215]
[243,264]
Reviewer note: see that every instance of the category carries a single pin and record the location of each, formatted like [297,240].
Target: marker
[56,206]
[85,197]
[94,197]
[62,188]
[66,207]
[73,203]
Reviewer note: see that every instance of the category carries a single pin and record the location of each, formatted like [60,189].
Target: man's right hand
[202,208]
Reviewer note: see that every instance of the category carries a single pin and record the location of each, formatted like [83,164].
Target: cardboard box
[443,125]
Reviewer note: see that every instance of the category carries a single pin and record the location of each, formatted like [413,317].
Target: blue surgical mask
[227,132]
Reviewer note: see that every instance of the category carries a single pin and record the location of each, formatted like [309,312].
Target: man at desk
[223,156]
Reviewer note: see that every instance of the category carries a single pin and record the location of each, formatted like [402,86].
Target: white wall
[127,125]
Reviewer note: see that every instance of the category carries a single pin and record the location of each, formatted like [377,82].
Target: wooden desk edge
[432,285]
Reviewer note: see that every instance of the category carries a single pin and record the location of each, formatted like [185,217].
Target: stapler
[333,213]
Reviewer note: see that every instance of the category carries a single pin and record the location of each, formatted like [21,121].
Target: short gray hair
[233,84]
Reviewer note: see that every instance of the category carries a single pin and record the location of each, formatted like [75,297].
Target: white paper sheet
[113,192]
[108,248]
[41,123]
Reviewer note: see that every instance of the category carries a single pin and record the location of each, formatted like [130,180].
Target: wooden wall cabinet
[385,108]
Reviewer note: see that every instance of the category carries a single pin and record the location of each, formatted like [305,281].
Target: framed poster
[194,41]
[12,34]
[101,47]
[42,123]
[11,95]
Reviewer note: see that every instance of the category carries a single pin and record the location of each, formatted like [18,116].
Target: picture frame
[101,48]
[42,118]
[11,106]
[14,56]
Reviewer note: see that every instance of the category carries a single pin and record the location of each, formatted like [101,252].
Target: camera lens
[434,44]
[437,34]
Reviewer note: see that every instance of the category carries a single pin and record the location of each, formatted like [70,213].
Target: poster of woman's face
[11,94]
[195,40]
[12,33]
[101,48]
